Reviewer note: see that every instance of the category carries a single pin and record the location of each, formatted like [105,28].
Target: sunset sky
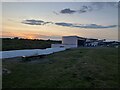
[52,20]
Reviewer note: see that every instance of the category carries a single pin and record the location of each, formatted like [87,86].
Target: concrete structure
[63,46]
[29,52]
[91,42]
[70,42]
[75,41]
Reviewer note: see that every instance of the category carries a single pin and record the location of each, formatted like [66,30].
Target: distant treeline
[17,44]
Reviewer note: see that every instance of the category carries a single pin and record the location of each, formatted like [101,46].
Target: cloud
[94,26]
[34,22]
[64,24]
[89,26]
[67,11]
[88,7]
[85,9]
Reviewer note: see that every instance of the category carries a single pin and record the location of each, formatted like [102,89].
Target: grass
[17,44]
[75,68]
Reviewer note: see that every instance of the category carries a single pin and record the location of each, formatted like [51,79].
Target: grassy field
[75,68]
[17,44]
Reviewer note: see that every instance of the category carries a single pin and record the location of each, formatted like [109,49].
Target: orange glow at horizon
[30,37]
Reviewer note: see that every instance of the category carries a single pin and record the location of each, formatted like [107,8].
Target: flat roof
[79,37]
[74,36]
[70,36]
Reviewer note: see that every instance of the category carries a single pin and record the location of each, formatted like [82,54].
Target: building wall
[29,52]
[63,46]
[70,46]
[70,40]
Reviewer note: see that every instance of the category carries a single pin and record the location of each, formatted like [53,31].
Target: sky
[52,20]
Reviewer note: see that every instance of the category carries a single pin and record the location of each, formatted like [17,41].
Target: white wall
[70,46]
[63,46]
[18,53]
[70,40]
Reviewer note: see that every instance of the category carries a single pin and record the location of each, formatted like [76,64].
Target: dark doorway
[81,43]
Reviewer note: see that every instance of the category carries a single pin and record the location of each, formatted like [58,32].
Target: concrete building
[70,42]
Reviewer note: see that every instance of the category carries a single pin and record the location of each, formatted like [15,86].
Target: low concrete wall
[17,53]
[64,46]
[70,46]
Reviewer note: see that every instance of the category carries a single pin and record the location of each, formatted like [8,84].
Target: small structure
[90,42]
[29,53]
[70,42]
